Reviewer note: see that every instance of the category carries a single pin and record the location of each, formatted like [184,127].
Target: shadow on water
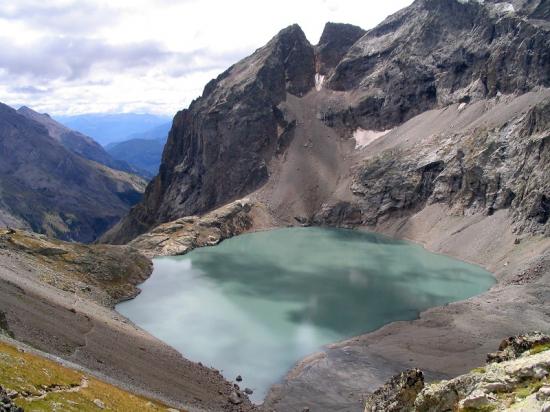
[359,235]
[267,299]
[357,294]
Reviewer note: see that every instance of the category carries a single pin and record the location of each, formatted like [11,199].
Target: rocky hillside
[228,135]
[293,112]
[490,164]
[57,297]
[76,142]
[101,273]
[514,379]
[50,189]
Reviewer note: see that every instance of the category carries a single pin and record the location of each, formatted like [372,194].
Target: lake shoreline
[444,341]
[294,280]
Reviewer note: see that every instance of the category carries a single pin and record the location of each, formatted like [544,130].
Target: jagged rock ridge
[438,52]
[427,56]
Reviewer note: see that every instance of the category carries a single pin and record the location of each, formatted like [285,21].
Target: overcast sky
[145,56]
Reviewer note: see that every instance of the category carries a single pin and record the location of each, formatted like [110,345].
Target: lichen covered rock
[515,346]
[183,235]
[519,384]
[398,394]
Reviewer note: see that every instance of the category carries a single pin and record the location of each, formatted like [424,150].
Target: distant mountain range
[110,128]
[75,141]
[142,150]
[56,181]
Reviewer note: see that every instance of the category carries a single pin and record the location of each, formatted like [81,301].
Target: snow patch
[319,80]
[461,106]
[365,137]
[503,8]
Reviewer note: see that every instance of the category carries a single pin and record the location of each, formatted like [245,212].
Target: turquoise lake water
[257,303]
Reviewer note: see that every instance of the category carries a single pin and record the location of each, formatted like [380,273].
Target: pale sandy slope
[445,341]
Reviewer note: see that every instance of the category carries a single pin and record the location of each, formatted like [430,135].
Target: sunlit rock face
[518,383]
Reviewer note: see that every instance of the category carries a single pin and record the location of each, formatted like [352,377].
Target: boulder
[515,346]
[397,395]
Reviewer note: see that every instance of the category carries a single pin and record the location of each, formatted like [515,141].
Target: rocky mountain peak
[334,43]
[231,131]
[284,64]
[297,56]
[430,55]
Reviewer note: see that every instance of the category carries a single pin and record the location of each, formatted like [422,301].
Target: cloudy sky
[145,56]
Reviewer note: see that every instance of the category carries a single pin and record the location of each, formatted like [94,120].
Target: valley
[324,217]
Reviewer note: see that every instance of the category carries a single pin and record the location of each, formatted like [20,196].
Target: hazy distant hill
[109,128]
[156,133]
[142,150]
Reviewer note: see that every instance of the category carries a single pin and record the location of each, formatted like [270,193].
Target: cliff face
[438,52]
[430,56]
[51,190]
[480,168]
[218,149]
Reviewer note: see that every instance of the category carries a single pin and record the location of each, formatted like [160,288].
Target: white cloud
[74,56]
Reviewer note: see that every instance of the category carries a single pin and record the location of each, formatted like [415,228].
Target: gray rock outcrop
[475,171]
[6,404]
[398,394]
[518,384]
[183,235]
[430,55]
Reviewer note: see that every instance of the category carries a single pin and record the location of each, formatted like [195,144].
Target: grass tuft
[540,348]
[43,385]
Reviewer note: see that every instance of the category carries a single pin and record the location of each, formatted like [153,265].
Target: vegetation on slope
[38,384]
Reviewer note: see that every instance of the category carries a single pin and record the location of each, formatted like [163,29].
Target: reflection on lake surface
[257,303]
